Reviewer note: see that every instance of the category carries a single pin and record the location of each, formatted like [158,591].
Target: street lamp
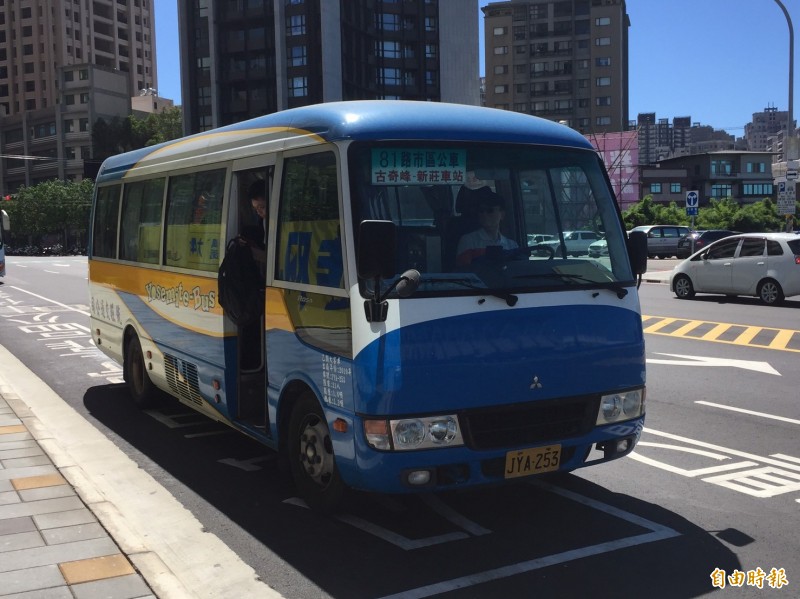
[789,145]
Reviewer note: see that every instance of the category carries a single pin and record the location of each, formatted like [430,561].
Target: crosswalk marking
[735,334]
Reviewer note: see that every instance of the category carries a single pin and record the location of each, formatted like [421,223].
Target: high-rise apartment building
[62,66]
[564,60]
[764,125]
[242,58]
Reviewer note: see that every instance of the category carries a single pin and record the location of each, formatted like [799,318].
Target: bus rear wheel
[311,457]
[142,390]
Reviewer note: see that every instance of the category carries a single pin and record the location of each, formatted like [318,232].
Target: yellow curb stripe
[97,568]
[782,339]
[687,328]
[653,328]
[714,333]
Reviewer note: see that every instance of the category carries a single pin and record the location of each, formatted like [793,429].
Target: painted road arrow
[705,361]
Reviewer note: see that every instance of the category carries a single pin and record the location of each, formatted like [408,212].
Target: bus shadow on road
[563,536]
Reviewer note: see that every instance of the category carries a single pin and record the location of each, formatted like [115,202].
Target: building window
[721,167]
[501,89]
[387,22]
[756,167]
[69,126]
[84,98]
[296,25]
[563,104]
[499,50]
[721,190]
[298,87]
[83,125]
[602,81]
[602,101]
[541,106]
[603,61]
[431,24]
[583,123]
[602,21]
[655,188]
[602,41]
[296,56]
[757,189]
[83,74]
[603,121]
[500,31]
[583,83]
[674,187]
[389,76]
[501,69]
[431,51]
[539,69]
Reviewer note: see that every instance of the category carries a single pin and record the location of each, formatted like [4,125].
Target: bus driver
[473,245]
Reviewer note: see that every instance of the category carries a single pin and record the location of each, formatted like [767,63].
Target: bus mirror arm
[377,308]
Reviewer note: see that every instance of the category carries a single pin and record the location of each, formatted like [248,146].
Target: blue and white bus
[424,324]
[5,227]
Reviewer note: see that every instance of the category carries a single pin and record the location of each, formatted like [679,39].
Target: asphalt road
[713,486]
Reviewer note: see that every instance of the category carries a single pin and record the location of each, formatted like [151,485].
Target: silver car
[662,240]
[764,265]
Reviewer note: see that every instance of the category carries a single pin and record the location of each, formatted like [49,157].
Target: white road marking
[447,512]
[762,367]
[397,539]
[741,454]
[41,297]
[708,454]
[751,412]
[657,533]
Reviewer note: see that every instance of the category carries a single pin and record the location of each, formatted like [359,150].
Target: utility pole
[790,139]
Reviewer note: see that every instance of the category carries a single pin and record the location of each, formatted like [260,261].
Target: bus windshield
[477,217]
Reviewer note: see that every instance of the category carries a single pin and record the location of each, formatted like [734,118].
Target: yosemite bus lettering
[178,296]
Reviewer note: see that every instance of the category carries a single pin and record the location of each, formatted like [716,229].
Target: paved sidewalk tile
[97,568]
[29,579]
[20,540]
[14,525]
[124,587]
[47,493]
[59,519]
[55,554]
[70,534]
[35,482]
[51,593]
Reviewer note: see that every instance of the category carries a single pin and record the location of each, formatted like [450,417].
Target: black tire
[311,458]
[143,392]
[683,288]
[770,292]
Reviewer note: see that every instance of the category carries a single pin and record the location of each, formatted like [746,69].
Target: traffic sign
[692,202]
[791,175]
[786,198]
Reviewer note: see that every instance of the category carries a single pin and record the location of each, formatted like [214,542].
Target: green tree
[132,133]
[648,212]
[51,207]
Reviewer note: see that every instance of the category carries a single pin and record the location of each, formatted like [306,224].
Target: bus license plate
[535,460]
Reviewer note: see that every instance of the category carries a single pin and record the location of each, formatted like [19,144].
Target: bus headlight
[617,407]
[413,433]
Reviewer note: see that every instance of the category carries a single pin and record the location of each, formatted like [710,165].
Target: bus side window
[104,233]
[309,225]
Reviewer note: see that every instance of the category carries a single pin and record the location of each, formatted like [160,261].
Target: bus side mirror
[375,256]
[376,249]
[637,252]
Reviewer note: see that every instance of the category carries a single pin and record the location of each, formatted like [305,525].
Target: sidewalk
[79,519]
[656,276]
[51,545]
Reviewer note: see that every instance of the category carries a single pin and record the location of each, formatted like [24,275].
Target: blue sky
[716,61]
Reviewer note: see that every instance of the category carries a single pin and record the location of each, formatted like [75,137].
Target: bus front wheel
[311,458]
[143,392]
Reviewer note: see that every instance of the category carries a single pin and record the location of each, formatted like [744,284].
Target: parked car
[577,242]
[662,240]
[764,265]
[536,238]
[701,239]
[598,249]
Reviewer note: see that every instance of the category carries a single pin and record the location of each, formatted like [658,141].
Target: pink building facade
[620,154]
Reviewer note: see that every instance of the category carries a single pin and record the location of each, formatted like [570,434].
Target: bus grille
[535,422]
[182,379]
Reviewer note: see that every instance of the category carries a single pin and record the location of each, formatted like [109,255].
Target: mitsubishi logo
[535,384]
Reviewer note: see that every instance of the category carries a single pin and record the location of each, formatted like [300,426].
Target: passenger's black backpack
[240,287]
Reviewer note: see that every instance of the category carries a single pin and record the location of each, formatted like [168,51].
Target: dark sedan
[701,240]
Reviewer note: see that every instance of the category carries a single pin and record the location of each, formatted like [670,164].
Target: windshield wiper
[615,287]
[509,298]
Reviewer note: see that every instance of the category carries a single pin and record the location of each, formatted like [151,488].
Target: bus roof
[354,120]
